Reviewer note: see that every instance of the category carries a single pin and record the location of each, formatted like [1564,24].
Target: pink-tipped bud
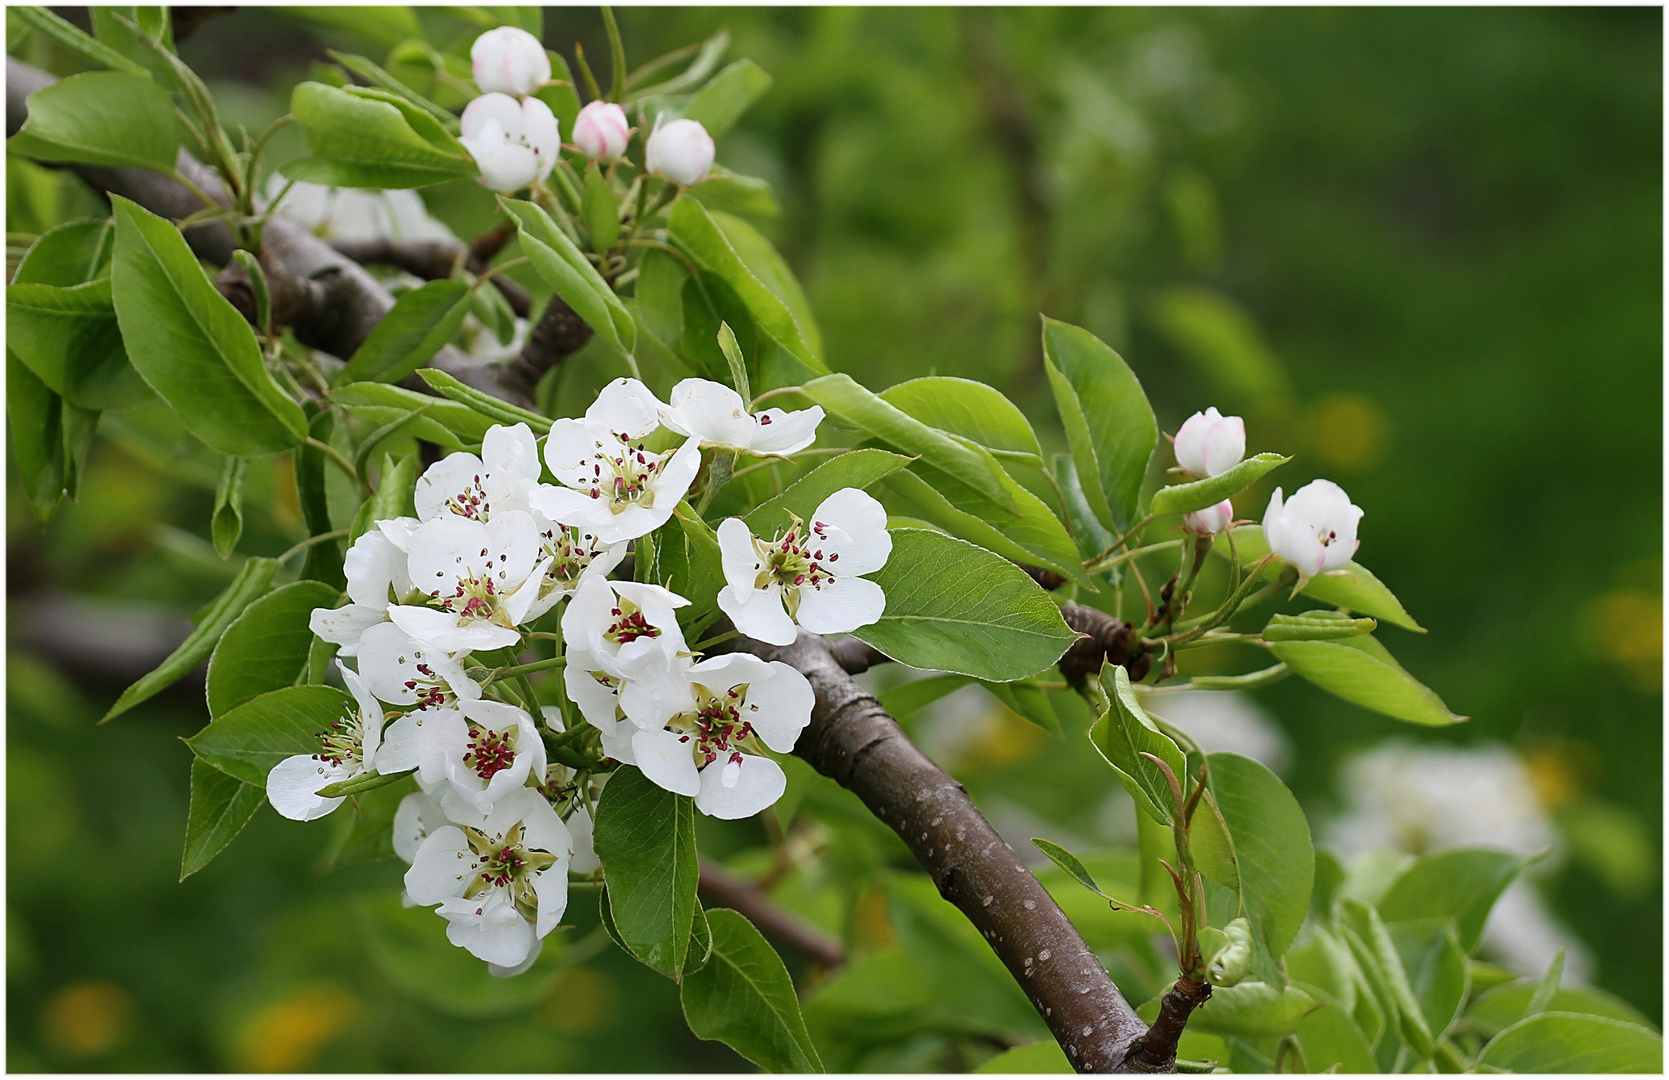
[601,131]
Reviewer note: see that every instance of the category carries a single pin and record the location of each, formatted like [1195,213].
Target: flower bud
[513,142]
[1210,443]
[681,151]
[1315,530]
[601,131]
[509,60]
[1210,521]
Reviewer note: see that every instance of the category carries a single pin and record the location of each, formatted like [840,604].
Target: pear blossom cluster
[515,139]
[521,539]
[1315,530]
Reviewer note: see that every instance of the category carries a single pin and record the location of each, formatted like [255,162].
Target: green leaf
[1352,587]
[266,647]
[1029,703]
[1361,671]
[1273,853]
[110,118]
[1212,845]
[70,339]
[598,211]
[409,336]
[495,409]
[249,740]
[75,39]
[363,138]
[1542,999]
[1370,942]
[699,234]
[450,424]
[70,254]
[1186,498]
[227,523]
[384,25]
[858,469]
[907,698]
[1219,337]
[566,270]
[1043,1056]
[1123,734]
[393,497]
[727,96]
[857,407]
[221,806]
[252,582]
[744,998]
[366,835]
[370,781]
[374,74]
[1070,863]
[970,409]
[1554,1042]
[1462,885]
[1436,966]
[645,839]
[690,563]
[1252,1010]
[37,427]
[191,345]
[1315,626]
[1088,533]
[1109,423]
[1331,1038]
[732,193]
[764,262]
[323,561]
[701,943]
[954,607]
[1502,1006]
[259,288]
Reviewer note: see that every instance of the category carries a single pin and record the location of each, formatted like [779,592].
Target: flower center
[793,560]
[343,742]
[716,726]
[629,624]
[490,752]
[571,552]
[623,474]
[474,596]
[431,692]
[506,862]
[471,502]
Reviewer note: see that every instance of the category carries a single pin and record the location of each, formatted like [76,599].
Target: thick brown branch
[432,260]
[852,740]
[1155,1052]
[1107,639]
[724,889]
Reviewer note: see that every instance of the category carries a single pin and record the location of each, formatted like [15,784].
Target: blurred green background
[1421,249]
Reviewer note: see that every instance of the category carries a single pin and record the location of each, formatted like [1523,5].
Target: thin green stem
[523,669]
[343,463]
[493,271]
[336,534]
[716,639]
[1102,563]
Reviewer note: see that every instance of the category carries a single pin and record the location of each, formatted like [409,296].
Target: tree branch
[852,740]
[724,889]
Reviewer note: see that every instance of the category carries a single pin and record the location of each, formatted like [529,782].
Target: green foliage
[1125,736]
[368,138]
[266,647]
[1353,587]
[1554,1042]
[565,269]
[744,998]
[727,96]
[420,323]
[221,805]
[250,739]
[1462,885]
[645,838]
[1360,670]
[1273,855]
[1186,498]
[101,118]
[1109,423]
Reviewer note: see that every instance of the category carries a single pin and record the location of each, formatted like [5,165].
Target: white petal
[441,867]
[1225,445]
[345,626]
[759,614]
[441,737]
[443,631]
[418,815]
[399,750]
[656,690]
[491,929]
[758,783]
[779,707]
[786,432]
[737,555]
[499,108]
[585,855]
[570,507]
[292,782]
[710,411]
[841,606]
[501,972]
[858,535]
[665,757]
[570,448]
[456,484]
[373,566]
[627,407]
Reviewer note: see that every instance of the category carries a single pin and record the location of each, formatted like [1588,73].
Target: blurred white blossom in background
[354,214]
[1224,721]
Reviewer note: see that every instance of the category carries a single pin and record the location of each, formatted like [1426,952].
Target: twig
[723,889]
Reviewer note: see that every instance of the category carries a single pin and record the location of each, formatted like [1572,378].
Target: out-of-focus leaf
[1217,335]
[732,193]
[1436,966]
[744,998]
[227,523]
[1502,1006]
[1361,671]
[1029,703]
[252,582]
[384,25]
[727,96]
[63,32]
[248,741]
[597,208]
[110,118]
[1331,1038]
[36,419]
[1370,942]
[908,698]
[1043,1056]
[70,339]
[221,806]
[191,345]
[645,839]
[413,331]
[1461,884]
[954,607]
[1252,1010]
[1109,423]
[1554,1042]
[266,647]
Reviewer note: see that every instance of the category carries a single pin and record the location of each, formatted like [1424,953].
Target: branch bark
[724,889]
[852,740]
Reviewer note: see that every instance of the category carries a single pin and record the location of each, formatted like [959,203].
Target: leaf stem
[335,534]
[346,466]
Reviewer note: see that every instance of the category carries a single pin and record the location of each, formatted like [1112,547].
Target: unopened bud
[681,151]
[1210,443]
[1210,521]
[509,60]
[601,131]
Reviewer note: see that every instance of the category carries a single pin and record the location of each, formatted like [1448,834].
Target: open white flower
[629,630]
[473,573]
[509,60]
[354,213]
[513,142]
[418,815]
[615,488]
[484,749]
[376,573]
[502,883]
[569,555]
[597,694]
[809,575]
[1210,443]
[401,670]
[717,415]
[703,751]
[346,749]
[1315,530]
[472,487]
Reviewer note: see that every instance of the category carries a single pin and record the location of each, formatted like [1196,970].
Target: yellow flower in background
[1625,626]
[1347,431]
[287,1034]
[86,1018]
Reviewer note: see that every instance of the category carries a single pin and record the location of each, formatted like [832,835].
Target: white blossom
[484,750]
[614,487]
[569,555]
[601,131]
[808,575]
[1315,530]
[704,750]
[1209,443]
[473,487]
[473,573]
[347,748]
[509,60]
[501,883]
[419,814]
[717,415]
[377,577]
[513,142]
[1210,521]
[681,151]
[355,213]
[625,652]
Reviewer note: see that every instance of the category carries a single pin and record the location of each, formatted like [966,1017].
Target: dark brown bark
[1155,1052]
[433,260]
[723,889]
[852,740]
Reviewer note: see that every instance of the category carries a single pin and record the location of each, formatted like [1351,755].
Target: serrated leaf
[744,998]
[252,582]
[645,839]
[1186,498]
[249,740]
[221,806]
